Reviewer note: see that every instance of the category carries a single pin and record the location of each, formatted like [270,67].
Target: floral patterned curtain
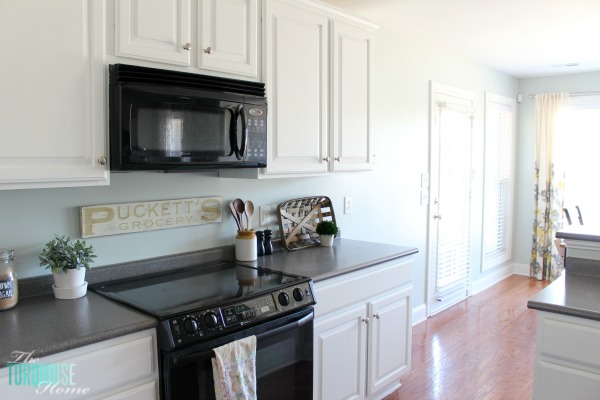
[546,263]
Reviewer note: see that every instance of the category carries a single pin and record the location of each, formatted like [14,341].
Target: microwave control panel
[257,135]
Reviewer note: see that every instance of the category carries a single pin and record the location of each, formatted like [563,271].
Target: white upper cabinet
[52,104]
[318,71]
[296,77]
[228,31]
[351,97]
[155,30]
[216,35]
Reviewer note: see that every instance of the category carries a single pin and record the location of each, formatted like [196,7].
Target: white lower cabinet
[123,368]
[567,363]
[363,332]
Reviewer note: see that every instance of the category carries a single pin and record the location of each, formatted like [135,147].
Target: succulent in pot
[327,231]
[68,260]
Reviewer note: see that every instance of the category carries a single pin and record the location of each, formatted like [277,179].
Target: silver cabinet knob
[338,159]
[437,216]
[187,46]
[327,159]
[376,316]
[365,320]
[209,50]
[102,160]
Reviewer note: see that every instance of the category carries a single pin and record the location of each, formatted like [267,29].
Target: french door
[449,247]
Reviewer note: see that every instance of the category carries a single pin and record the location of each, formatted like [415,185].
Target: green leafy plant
[61,254]
[327,228]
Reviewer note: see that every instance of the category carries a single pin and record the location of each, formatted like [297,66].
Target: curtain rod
[576,94]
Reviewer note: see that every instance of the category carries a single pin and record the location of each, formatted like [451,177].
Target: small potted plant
[68,260]
[327,231]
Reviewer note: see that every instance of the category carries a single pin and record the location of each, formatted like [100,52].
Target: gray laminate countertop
[45,325]
[580,232]
[575,293]
[345,256]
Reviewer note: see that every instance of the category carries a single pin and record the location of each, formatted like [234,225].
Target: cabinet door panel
[229,28]
[389,341]
[339,356]
[296,80]
[52,99]
[154,30]
[352,50]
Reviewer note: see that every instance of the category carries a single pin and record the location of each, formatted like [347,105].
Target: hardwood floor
[482,348]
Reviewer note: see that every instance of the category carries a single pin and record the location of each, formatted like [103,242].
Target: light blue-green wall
[523,223]
[386,201]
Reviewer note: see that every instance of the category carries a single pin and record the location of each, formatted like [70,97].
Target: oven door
[284,362]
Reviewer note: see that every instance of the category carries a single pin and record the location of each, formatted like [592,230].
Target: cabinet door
[229,36]
[156,30]
[352,94]
[339,356]
[52,104]
[389,339]
[296,79]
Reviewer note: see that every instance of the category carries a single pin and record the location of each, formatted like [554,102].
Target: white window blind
[498,180]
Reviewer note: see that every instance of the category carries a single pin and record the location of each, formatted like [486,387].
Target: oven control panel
[198,325]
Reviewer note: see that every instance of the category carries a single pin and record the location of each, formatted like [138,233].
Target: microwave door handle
[244,132]
[232,133]
[239,152]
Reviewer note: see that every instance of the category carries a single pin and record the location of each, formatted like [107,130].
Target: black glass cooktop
[192,288]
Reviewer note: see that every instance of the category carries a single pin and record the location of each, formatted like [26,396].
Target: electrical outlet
[347,205]
[265,217]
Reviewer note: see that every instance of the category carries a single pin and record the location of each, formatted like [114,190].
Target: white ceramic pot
[70,284]
[326,240]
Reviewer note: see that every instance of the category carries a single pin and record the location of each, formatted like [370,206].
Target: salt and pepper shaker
[268,243]
[260,244]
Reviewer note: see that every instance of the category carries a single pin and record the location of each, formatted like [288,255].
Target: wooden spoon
[249,211]
[240,208]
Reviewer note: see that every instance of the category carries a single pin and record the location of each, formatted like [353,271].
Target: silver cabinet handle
[338,159]
[437,216]
[187,46]
[102,160]
[327,159]
[365,320]
[376,316]
[209,50]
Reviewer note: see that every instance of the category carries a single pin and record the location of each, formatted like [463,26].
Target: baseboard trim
[419,314]
[521,269]
[491,279]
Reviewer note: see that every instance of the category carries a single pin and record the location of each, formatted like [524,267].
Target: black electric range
[202,302]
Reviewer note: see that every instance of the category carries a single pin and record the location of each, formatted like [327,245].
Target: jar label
[6,288]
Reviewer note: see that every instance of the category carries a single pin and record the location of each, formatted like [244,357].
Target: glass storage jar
[9,291]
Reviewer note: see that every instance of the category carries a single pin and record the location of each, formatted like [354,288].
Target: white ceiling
[522,38]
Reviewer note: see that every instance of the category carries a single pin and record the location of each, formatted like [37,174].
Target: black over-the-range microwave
[163,120]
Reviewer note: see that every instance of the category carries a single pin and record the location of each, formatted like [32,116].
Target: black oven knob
[298,294]
[190,325]
[211,320]
[284,299]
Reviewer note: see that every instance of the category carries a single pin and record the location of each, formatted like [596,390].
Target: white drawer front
[571,339]
[95,368]
[336,293]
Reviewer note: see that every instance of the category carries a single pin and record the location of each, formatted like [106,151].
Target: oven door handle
[210,353]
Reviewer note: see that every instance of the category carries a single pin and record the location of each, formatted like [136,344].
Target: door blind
[452,253]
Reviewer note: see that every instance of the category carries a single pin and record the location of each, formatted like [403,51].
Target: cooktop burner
[197,302]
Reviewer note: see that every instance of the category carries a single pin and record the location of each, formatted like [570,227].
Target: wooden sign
[113,219]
